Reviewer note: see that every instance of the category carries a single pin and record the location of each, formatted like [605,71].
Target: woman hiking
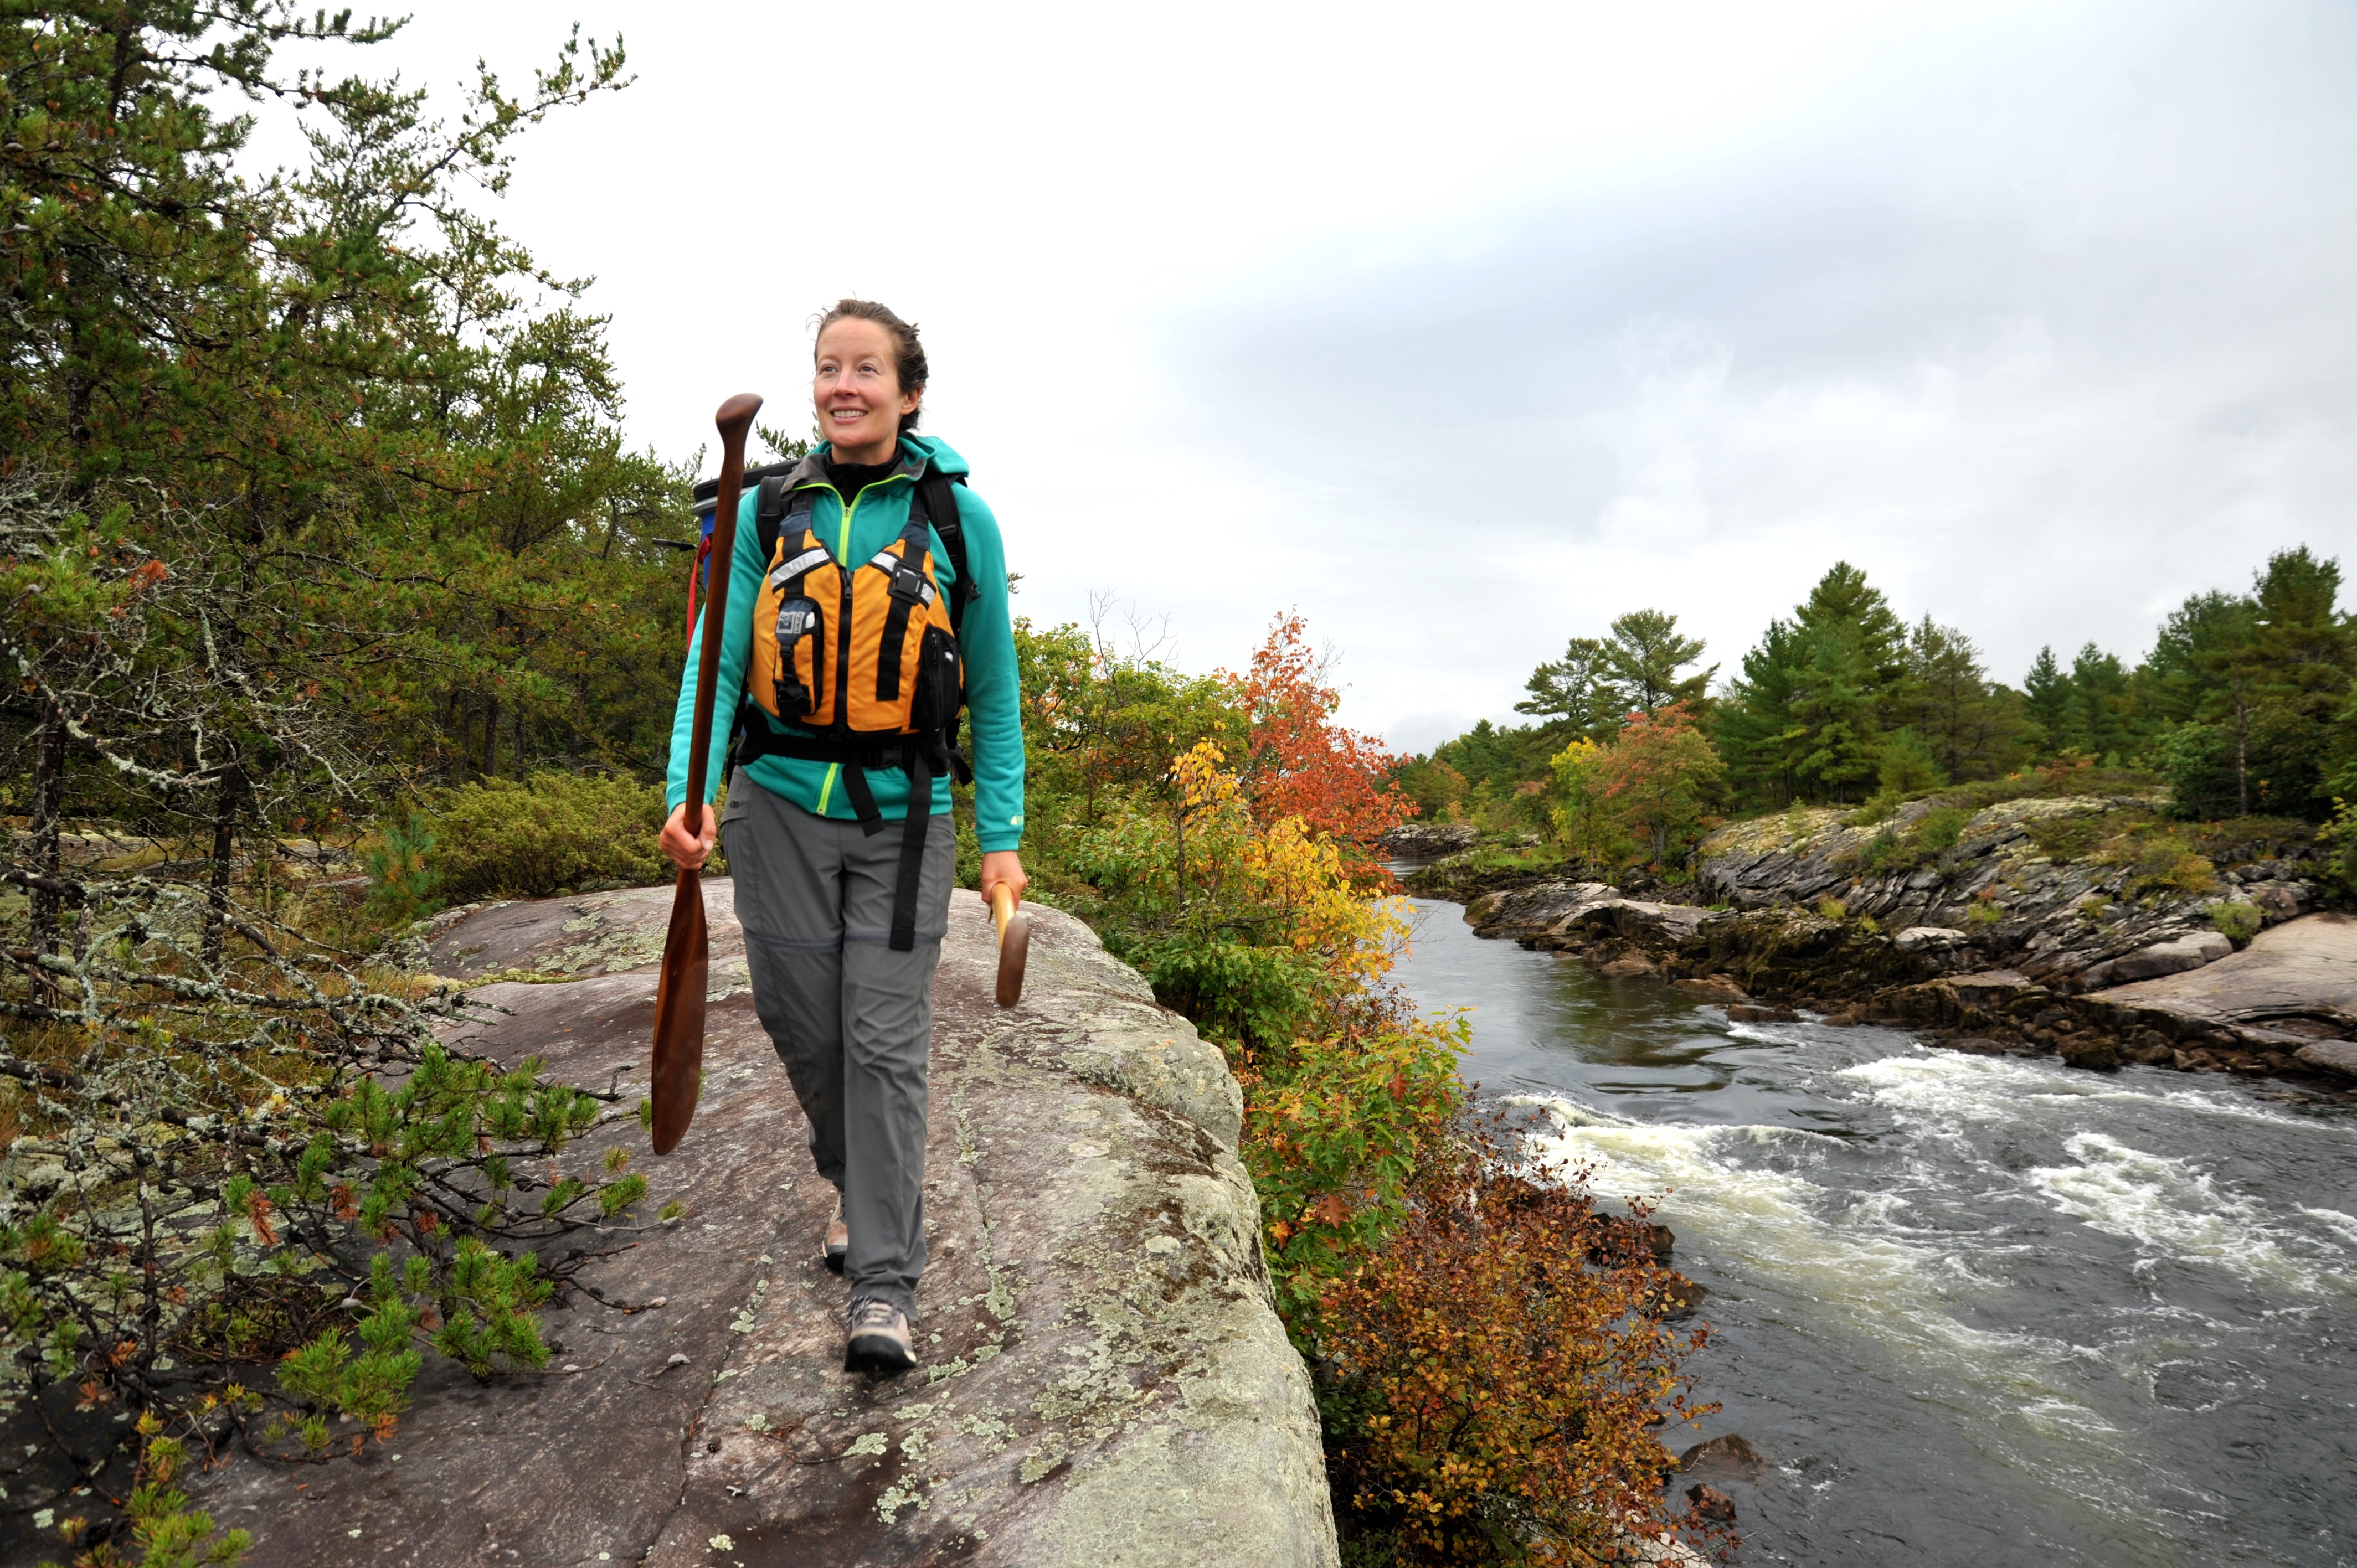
[851,623]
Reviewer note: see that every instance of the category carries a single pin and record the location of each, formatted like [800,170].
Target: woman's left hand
[1002,865]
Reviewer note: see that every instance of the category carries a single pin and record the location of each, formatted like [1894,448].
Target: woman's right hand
[688,853]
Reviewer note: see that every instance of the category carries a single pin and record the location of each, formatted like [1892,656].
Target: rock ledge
[1106,1381]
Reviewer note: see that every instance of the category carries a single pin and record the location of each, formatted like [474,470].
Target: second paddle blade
[1014,953]
[679,1013]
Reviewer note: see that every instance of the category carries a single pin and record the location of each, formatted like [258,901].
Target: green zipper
[842,550]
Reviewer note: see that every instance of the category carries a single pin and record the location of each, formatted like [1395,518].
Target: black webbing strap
[770,516]
[862,798]
[912,849]
[935,494]
[910,594]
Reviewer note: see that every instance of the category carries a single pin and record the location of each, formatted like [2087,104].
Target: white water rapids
[1976,1310]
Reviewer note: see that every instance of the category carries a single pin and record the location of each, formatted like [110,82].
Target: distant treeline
[2244,706]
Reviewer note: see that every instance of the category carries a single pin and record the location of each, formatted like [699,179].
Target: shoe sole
[872,1353]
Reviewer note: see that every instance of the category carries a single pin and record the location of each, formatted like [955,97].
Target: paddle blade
[679,1013]
[1014,952]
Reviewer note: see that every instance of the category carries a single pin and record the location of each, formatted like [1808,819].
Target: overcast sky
[1468,329]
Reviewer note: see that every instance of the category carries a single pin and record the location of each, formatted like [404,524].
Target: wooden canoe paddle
[679,992]
[1013,943]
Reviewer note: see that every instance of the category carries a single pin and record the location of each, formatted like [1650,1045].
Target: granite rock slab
[1104,1380]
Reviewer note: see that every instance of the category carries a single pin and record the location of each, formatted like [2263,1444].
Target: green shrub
[1906,767]
[2238,921]
[2161,863]
[1893,850]
[1941,827]
[2069,838]
[1833,909]
[402,878]
[1983,912]
[2338,838]
[502,838]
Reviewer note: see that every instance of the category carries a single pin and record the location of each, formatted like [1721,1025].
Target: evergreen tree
[1806,718]
[1835,706]
[1906,767]
[1972,728]
[2048,702]
[1643,658]
[2099,704]
[364,514]
[2257,688]
[1846,606]
[1577,692]
[1756,728]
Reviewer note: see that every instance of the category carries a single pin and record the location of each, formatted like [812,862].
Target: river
[1977,1311]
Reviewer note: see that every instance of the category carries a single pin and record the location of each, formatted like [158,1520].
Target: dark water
[1977,1311]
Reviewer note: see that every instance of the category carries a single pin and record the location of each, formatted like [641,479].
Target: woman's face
[857,393]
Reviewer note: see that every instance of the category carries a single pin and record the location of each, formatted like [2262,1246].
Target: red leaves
[1298,761]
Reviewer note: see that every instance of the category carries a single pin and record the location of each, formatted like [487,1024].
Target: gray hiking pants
[852,1020]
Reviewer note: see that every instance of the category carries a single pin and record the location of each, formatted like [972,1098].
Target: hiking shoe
[837,1245]
[880,1339]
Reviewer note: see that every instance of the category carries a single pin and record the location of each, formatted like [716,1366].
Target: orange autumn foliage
[1500,1370]
[1298,761]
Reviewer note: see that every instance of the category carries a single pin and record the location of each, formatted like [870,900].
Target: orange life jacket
[862,660]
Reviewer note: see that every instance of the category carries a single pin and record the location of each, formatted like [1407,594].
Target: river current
[1980,1311]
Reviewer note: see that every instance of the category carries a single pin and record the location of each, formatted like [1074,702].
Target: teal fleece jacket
[854,528]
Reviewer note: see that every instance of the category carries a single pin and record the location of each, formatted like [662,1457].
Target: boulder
[1104,1375]
[2279,901]
[1628,968]
[1661,926]
[1530,911]
[1712,1504]
[1727,1455]
[1930,938]
[2331,1056]
[1712,988]
[1681,1297]
[1427,841]
[2192,950]
[1750,1012]
[2304,968]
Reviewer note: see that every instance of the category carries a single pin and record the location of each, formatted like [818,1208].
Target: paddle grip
[734,419]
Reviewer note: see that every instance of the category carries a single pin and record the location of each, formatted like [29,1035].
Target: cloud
[1466,334]
[2044,349]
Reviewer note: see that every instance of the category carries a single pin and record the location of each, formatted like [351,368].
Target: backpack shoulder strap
[935,491]
[770,515]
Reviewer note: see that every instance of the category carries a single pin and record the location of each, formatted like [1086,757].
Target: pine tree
[1756,728]
[2099,704]
[1836,706]
[1972,729]
[1576,693]
[2047,698]
[1816,694]
[1643,658]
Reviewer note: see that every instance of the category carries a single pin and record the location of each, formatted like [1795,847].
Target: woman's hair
[908,354]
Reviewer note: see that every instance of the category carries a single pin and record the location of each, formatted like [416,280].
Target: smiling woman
[867,605]
[870,381]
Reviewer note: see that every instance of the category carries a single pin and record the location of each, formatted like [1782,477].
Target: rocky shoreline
[1995,936]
